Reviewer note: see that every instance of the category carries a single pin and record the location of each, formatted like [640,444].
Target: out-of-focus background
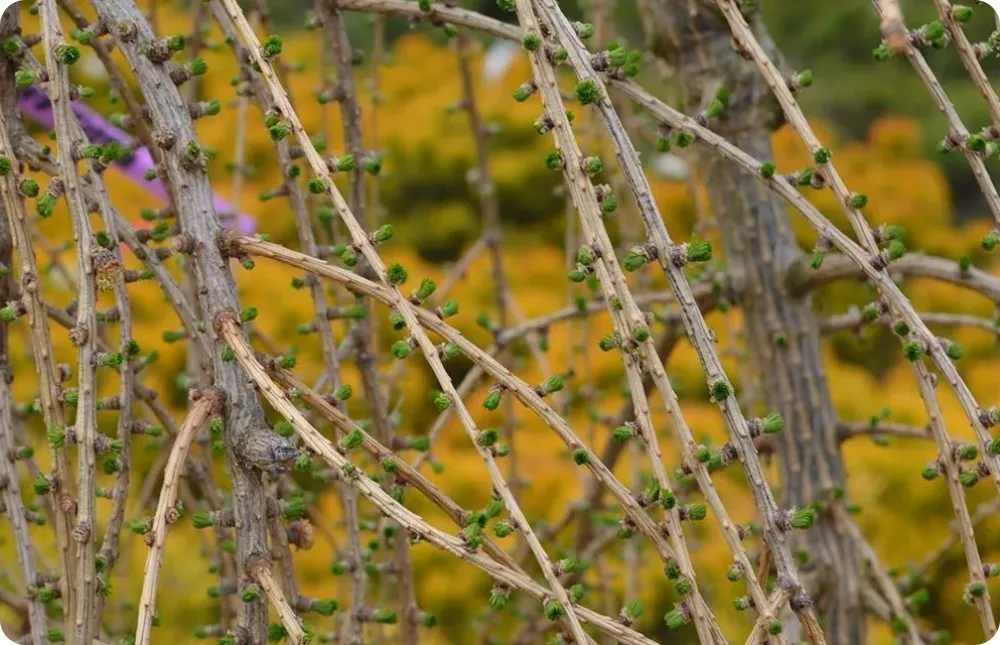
[878,119]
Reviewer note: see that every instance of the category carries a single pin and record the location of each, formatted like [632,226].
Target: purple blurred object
[35,105]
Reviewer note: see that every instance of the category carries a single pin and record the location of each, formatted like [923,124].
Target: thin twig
[206,405]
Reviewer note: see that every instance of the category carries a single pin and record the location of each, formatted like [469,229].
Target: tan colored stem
[204,408]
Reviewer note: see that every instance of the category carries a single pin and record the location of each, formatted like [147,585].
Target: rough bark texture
[251,446]
[782,331]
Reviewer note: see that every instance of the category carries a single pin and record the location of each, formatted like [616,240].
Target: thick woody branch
[41,340]
[417,527]
[402,304]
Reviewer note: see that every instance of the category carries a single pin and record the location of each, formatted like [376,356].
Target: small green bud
[384,233]
[499,596]
[552,384]
[554,160]
[720,390]
[581,457]
[767,169]
[634,261]
[699,251]
[622,433]
[449,309]
[488,437]
[715,109]
[492,400]
[676,619]
[29,187]
[251,593]
[968,478]
[349,257]
[976,589]
[451,351]
[396,274]
[25,78]
[531,42]
[523,92]
[271,46]
[324,607]
[554,610]
[385,617]
[913,350]
[442,402]
[822,155]
[198,67]
[961,13]
[141,526]
[592,165]
[802,519]
[587,92]
[426,288]
[696,512]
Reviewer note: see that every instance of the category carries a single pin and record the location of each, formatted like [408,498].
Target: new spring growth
[401,349]
[29,188]
[914,350]
[720,390]
[524,91]
[499,595]
[442,401]
[271,46]
[639,256]
[448,309]
[767,169]
[25,78]
[800,519]
[449,351]
[531,42]
[423,291]
[396,274]
[717,106]
[823,246]
[630,613]
[623,432]
[990,240]
[677,618]
[591,165]
[554,160]
[584,30]
[67,54]
[587,92]
[800,80]
[549,386]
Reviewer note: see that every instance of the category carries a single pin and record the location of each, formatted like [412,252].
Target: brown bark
[782,330]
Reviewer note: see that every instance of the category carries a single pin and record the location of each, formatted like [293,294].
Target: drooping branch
[251,445]
[206,405]
[417,527]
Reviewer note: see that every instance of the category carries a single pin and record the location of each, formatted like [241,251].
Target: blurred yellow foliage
[416,91]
